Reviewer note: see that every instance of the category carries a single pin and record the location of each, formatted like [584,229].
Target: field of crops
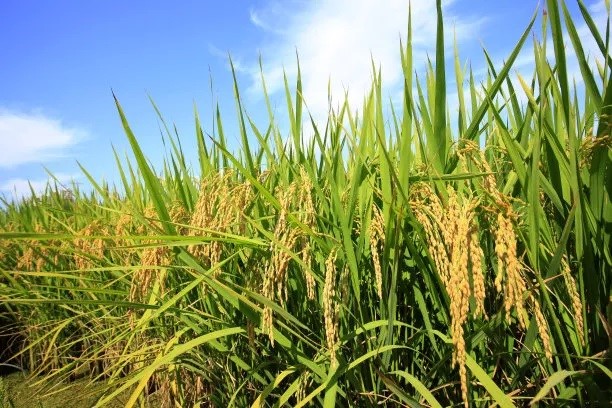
[394,257]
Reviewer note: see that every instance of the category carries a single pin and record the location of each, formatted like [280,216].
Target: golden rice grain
[26,261]
[459,287]
[179,216]
[203,215]
[452,238]
[286,236]
[310,280]
[307,212]
[7,246]
[590,145]
[303,384]
[428,209]
[330,308]
[307,216]
[266,323]
[377,239]
[471,151]
[275,276]
[509,281]
[572,291]
[542,328]
[478,280]
[154,260]
[89,245]
[152,222]
[123,225]
[33,255]
[219,209]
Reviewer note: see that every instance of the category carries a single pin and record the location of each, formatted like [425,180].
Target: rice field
[384,257]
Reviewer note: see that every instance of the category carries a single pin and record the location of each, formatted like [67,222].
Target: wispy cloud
[33,137]
[19,188]
[337,40]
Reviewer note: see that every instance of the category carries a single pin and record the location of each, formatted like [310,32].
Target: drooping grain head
[219,209]
[208,215]
[27,259]
[308,277]
[478,279]
[89,245]
[330,309]
[542,327]
[307,212]
[151,221]
[267,323]
[8,247]
[452,238]
[304,383]
[268,292]
[179,216]
[241,198]
[123,225]
[307,216]
[154,260]
[285,239]
[590,144]
[574,296]
[470,151]
[203,215]
[377,241]
[510,281]
[275,275]
[428,210]
[33,253]
[459,286]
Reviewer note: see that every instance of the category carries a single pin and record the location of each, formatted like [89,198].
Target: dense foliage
[374,259]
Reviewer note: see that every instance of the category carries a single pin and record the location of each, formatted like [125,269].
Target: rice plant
[372,260]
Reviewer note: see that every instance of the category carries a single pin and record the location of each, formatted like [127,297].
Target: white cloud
[337,39]
[31,137]
[598,8]
[19,188]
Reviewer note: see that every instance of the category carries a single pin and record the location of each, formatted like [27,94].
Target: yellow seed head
[478,279]
[310,280]
[509,280]
[452,238]
[88,248]
[330,309]
[572,291]
[26,261]
[123,225]
[154,260]
[377,238]
[542,328]
[179,216]
[219,209]
[286,236]
[304,382]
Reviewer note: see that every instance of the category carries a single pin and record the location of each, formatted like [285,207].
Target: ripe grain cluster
[376,259]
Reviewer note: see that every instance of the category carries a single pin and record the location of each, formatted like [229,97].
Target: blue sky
[62,58]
